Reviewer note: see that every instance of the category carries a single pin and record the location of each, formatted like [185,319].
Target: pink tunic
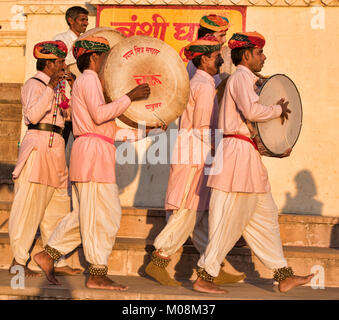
[241,167]
[201,112]
[92,158]
[49,166]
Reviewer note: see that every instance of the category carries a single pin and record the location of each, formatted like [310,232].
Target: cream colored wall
[12,50]
[307,181]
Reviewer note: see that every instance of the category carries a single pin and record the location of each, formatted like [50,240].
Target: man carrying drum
[96,217]
[188,200]
[40,174]
[241,200]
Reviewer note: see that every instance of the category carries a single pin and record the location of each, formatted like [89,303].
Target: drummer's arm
[101,112]
[247,101]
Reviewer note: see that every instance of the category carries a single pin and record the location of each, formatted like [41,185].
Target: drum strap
[241,137]
[107,139]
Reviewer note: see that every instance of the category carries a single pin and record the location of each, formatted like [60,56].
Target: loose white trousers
[94,221]
[253,215]
[181,224]
[35,205]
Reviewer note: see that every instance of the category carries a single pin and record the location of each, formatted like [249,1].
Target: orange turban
[50,50]
[206,44]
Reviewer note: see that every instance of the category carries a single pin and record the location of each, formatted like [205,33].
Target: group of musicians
[214,209]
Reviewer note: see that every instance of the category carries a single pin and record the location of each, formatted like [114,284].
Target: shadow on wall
[154,177]
[304,201]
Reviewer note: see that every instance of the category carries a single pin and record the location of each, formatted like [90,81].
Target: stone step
[10,111]
[10,129]
[8,151]
[130,257]
[295,230]
[10,92]
[141,288]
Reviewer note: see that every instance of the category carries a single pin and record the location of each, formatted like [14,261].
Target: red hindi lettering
[157,27]
[185,31]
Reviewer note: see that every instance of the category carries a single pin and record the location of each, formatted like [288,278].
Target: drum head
[277,138]
[113,36]
[142,59]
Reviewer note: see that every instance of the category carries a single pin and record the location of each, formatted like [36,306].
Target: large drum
[113,36]
[273,138]
[142,59]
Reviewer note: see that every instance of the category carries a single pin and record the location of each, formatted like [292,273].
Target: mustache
[219,62]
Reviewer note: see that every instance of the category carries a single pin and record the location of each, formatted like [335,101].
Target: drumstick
[164,123]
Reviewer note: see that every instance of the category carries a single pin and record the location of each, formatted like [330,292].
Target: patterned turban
[214,23]
[246,40]
[204,45]
[90,44]
[50,50]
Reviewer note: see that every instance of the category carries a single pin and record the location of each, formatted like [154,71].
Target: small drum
[142,59]
[273,138]
[113,36]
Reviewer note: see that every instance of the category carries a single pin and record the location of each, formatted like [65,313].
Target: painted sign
[176,25]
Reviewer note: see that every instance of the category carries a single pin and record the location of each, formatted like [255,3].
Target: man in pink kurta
[95,219]
[187,194]
[40,175]
[241,201]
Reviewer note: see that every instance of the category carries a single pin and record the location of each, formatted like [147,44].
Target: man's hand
[140,92]
[70,77]
[55,78]
[285,110]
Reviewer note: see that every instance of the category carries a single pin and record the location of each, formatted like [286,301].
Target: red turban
[246,40]
[50,50]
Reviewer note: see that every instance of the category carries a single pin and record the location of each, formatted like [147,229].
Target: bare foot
[66,271]
[294,281]
[28,272]
[207,287]
[46,263]
[103,282]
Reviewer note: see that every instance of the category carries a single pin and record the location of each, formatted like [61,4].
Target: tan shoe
[224,277]
[157,270]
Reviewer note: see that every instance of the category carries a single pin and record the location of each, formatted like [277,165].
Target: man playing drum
[97,212]
[241,200]
[40,174]
[187,194]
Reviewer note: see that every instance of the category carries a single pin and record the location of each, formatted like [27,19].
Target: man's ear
[49,63]
[70,21]
[247,55]
[203,59]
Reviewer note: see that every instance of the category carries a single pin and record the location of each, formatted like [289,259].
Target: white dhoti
[35,205]
[181,224]
[94,221]
[253,215]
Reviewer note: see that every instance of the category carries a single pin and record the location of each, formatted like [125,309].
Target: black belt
[45,127]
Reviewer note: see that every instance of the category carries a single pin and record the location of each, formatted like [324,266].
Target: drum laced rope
[154,113]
